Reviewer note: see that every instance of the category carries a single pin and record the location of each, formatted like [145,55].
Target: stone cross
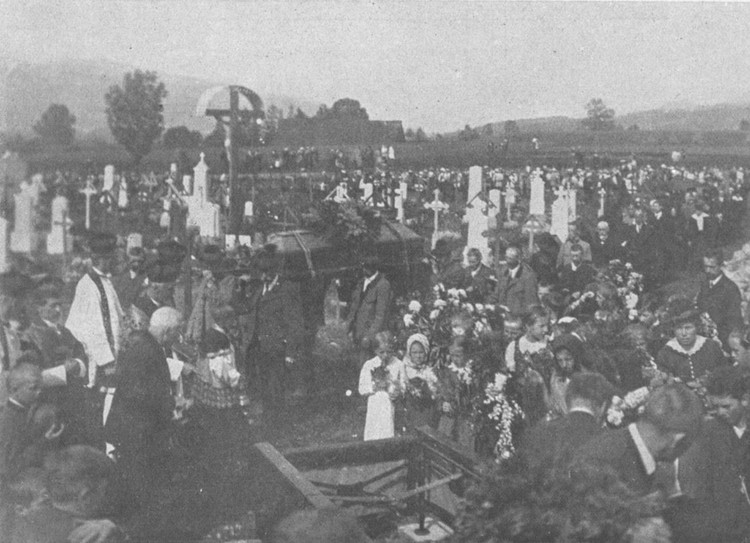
[89,191]
[475,214]
[602,197]
[436,206]
[403,193]
[536,203]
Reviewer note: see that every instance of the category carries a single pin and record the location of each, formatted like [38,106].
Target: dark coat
[480,285]
[516,293]
[710,474]
[128,289]
[273,320]
[722,303]
[616,449]
[551,444]
[576,281]
[142,405]
[54,345]
[370,308]
[702,362]
[604,252]
[14,428]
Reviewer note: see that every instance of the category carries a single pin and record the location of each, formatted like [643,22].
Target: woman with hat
[688,355]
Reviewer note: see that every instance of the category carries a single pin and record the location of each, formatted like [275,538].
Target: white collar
[581,409]
[715,282]
[740,430]
[647,459]
[100,273]
[370,279]
[675,346]
[16,402]
[51,324]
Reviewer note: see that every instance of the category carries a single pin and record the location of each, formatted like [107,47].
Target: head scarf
[416,338]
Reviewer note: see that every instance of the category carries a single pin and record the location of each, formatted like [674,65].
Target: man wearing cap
[95,319]
[129,284]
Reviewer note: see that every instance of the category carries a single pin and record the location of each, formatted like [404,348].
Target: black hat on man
[102,243]
[170,253]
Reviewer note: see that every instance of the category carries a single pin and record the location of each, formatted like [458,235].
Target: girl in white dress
[382,379]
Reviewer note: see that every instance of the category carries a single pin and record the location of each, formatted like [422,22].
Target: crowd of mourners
[572,352]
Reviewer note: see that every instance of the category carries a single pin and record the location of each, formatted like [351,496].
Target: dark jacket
[516,293]
[722,303]
[142,405]
[552,444]
[480,285]
[273,321]
[370,308]
[617,450]
[711,475]
[128,289]
[604,252]
[576,280]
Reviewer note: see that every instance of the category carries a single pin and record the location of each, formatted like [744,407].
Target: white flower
[408,320]
[434,314]
[490,307]
[479,308]
[415,306]
[461,293]
[439,304]
[500,380]
[631,300]
[468,307]
[453,293]
[479,327]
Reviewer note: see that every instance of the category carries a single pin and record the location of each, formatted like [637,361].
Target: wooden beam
[351,454]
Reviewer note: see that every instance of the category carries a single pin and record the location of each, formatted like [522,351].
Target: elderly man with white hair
[604,248]
[139,423]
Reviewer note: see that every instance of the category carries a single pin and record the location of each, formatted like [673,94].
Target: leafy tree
[56,125]
[181,137]
[468,133]
[745,125]
[134,112]
[511,128]
[487,130]
[409,134]
[420,135]
[598,115]
[290,111]
[323,112]
[342,108]
[301,114]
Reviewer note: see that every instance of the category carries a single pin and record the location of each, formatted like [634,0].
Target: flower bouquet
[503,413]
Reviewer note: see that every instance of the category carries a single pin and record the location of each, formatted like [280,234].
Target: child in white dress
[382,379]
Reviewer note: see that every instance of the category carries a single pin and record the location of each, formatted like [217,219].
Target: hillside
[81,85]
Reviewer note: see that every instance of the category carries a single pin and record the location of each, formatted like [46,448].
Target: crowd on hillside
[124,407]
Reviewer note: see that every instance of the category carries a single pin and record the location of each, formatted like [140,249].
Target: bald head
[165,325]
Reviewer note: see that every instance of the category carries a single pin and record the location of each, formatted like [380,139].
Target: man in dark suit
[671,420]
[274,329]
[63,358]
[712,473]
[162,275]
[516,284]
[720,297]
[550,444]
[604,248]
[665,226]
[129,284]
[139,422]
[479,280]
[370,308]
[574,277]
[642,249]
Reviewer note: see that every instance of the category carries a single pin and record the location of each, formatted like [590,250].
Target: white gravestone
[122,193]
[3,244]
[494,209]
[135,239]
[57,242]
[475,216]
[536,203]
[88,192]
[202,212]
[109,178]
[21,239]
[559,226]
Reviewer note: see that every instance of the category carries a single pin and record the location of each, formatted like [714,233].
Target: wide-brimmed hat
[102,243]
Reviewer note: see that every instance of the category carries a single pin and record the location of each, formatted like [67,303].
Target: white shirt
[513,272]
[396,376]
[715,282]
[369,280]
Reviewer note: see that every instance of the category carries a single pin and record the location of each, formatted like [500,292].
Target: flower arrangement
[629,285]
[627,408]
[503,412]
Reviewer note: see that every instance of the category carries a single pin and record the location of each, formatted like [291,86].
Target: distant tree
[301,114]
[291,111]
[347,107]
[420,135]
[217,137]
[56,126]
[745,125]
[409,135]
[323,112]
[468,133]
[487,130]
[181,137]
[135,112]
[598,115]
[511,128]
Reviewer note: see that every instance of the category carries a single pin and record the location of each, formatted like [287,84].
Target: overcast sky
[436,64]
